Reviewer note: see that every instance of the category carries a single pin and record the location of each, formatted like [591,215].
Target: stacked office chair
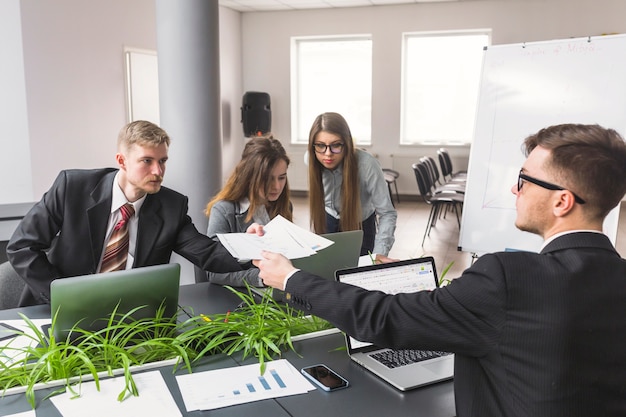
[446,167]
[439,184]
[390,177]
[440,202]
[11,286]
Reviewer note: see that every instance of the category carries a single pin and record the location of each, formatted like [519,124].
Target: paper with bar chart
[209,390]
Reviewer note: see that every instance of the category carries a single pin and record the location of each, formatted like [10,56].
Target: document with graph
[219,388]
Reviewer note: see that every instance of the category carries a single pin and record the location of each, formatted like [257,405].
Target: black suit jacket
[63,234]
[534,334]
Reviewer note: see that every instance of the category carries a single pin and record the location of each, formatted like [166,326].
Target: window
[331,74]
[440,85]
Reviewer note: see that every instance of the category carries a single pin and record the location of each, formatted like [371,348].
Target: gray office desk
[366,396]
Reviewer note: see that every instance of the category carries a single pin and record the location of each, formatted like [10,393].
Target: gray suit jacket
[227,217]
[63,234]
[534,334]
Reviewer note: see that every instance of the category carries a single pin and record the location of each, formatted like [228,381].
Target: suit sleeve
[201,250]
[465,316]
[33,236]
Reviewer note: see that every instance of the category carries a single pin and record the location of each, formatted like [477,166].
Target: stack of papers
[281,236]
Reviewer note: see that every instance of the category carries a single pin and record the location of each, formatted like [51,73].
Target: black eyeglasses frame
[335,148]
[543,184]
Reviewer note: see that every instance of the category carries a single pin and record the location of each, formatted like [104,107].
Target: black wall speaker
[256,114]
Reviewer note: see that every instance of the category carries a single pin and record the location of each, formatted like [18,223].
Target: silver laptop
[344,253]
[404,369]
[86,301]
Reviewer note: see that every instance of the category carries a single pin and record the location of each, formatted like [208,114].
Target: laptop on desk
[404,369]
[343,253]
[88,299]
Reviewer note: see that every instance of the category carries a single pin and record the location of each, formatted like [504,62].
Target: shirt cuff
[289,275]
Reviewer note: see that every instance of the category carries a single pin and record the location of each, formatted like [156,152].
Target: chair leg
[397,195]
[429,224]
[390,193]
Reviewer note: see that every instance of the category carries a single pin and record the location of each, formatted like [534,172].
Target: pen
[371,258]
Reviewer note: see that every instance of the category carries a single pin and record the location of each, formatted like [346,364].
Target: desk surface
[366,396]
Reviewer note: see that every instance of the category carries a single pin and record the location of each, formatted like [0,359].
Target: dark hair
[589,160]
[350,200]
[252,175]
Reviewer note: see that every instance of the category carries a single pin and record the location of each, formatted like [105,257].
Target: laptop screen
[392,278]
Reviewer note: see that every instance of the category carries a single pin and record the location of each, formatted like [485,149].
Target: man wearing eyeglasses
[535,334]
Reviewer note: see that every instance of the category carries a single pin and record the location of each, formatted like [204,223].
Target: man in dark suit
[65,234]
[535,334]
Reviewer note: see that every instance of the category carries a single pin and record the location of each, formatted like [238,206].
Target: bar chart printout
[240,384]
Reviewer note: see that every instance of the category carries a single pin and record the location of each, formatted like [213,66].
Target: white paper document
[12,348]
[241,384]
[281,236]
[154,399]
[30,413]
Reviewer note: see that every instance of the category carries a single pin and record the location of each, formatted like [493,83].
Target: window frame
[298,137]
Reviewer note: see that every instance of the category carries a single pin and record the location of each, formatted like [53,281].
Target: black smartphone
[8,332]
[324,377]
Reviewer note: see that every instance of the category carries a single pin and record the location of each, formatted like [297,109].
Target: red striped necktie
[116,252]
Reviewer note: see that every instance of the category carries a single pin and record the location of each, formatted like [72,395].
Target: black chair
[440,203]
[438,185]
[391,176]
[11,286]
[446,167]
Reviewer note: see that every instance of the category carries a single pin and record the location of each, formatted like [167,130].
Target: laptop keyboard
[396,358]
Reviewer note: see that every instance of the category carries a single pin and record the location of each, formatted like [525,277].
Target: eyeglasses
[334,147]
[548,186]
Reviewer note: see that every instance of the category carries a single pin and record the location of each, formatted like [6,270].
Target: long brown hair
[350,215]
[252,175]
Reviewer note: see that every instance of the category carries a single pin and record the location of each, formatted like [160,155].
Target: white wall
[74,68]
[15,167]
[266,39]
[75,77]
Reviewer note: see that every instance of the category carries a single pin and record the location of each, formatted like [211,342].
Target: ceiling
[271,5]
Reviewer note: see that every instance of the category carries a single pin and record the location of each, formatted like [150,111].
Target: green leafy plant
[259,329]
[442,280]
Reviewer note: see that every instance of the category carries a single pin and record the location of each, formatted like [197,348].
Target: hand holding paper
[281,236]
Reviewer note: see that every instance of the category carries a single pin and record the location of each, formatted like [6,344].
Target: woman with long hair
[347,188]
[256,192]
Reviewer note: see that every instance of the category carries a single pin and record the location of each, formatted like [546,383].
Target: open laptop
[416,368]
[344,253]
[89,299]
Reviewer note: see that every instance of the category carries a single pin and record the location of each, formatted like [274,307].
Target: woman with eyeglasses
[347,189]
[256,192]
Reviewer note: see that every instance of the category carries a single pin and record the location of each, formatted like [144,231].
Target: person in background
[256,192]
[534,334]
[67,233]
[347,188]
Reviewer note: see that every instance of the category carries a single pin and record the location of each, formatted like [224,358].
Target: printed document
[281,236]
[209,390]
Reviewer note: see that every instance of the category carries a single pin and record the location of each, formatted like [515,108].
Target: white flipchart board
[525,87]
